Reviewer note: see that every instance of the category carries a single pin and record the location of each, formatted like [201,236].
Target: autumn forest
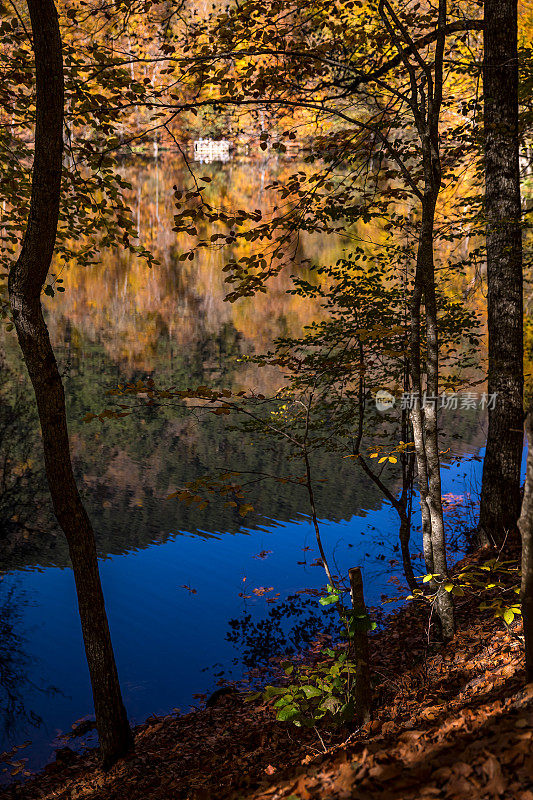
[266,399]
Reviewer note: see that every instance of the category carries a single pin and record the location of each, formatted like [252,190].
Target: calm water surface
[174,576]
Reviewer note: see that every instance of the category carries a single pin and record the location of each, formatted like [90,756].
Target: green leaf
[273,691]
[347,711]
[311,691]
[249,698]
[287,713]
[331,704]
[331,598]
[360,622]
[283,701]
[508,616]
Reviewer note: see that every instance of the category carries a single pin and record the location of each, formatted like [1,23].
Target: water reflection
[287,629]
[24,503]
[117,320]
[127,468]
[19,682]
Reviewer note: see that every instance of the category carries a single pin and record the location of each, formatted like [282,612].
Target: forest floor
[452,722]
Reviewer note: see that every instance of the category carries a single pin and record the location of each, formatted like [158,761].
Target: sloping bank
[454,722]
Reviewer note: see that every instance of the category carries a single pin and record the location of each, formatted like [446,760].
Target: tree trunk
[26,279]
[438,541]
[425,101]
[500,488]
[363,686]
[417,418]
[426,269]
[405,536]
[526,529]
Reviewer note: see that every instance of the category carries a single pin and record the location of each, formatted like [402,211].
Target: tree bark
[525,524]
[26,279]
[363,686]
[417,416]
[437,563]
[438,541]
[426,112]
[500,488]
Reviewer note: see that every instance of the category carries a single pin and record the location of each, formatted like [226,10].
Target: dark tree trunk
[26,279]
[405,537]
[361,652]
[500,488]
[526,529]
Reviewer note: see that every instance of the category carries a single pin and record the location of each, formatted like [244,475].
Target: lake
[178,581]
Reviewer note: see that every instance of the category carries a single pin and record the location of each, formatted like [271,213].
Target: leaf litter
[450,722]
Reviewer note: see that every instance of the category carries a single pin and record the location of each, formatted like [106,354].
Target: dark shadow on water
[17,718]
[288,629]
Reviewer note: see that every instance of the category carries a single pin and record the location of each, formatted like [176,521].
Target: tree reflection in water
[16,686]
[24,507]
[289,628]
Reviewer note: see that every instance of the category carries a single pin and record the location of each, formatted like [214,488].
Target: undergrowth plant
[498,582]
[323,693]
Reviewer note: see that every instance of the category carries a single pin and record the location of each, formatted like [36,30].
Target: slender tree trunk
[363,685]
[400,505]
[526,529]
[500,488]
[405,536]
[405,501]
[427,114]
[26,279]
[425,423]
[405,523]
[417,418]
[425,101]
[438,541]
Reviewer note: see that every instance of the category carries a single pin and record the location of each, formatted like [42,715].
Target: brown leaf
[300,789]
[344,780]
[497,784]
[461,768]
[410,736]
[385,772]
[458,788]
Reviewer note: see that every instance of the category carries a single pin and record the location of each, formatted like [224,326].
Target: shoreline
[424,694]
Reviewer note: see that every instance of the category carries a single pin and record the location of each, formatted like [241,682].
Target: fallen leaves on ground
[450,723]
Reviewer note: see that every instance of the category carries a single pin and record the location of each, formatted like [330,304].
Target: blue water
[170,643]
[113,324]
